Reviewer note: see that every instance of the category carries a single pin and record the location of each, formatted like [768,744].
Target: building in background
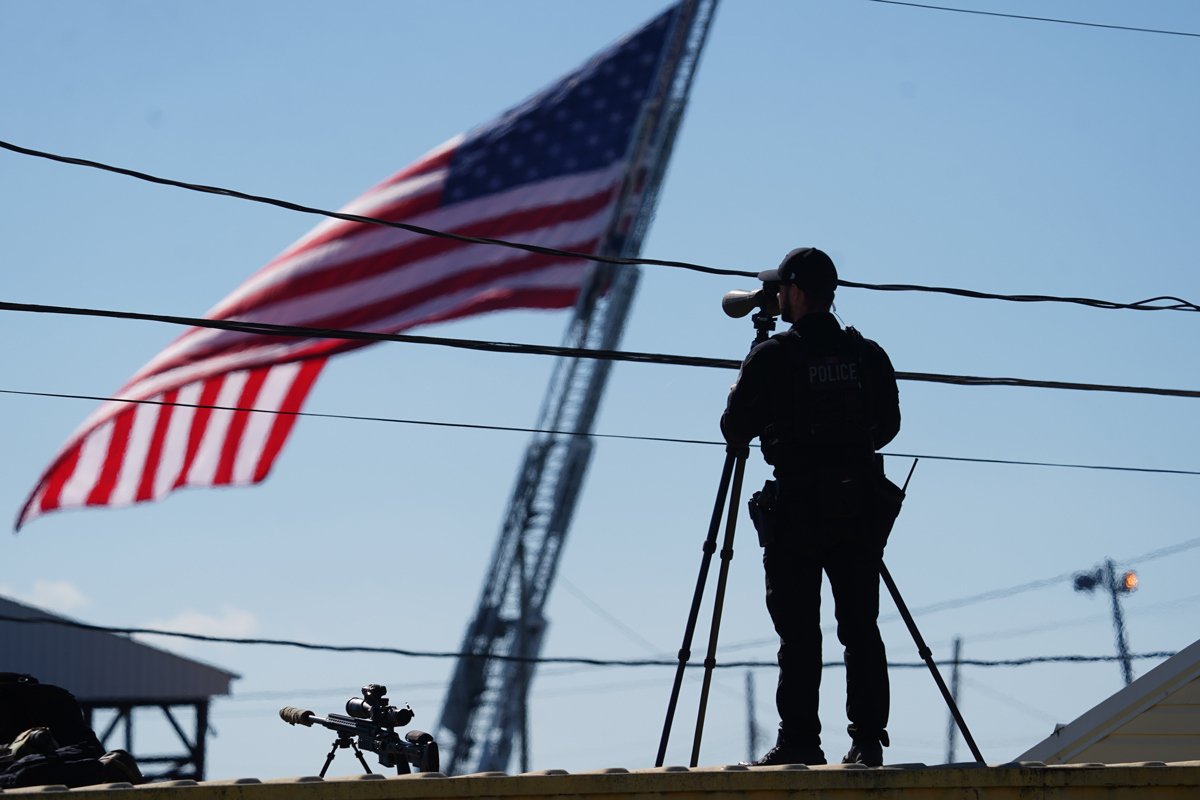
[118,680]
[1155,718]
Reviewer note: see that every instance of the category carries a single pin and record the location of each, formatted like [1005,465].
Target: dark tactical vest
[822,425]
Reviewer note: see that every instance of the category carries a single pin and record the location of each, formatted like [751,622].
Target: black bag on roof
[45,740]
[25,703]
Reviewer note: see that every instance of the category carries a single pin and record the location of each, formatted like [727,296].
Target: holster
[884,499]
[764,512]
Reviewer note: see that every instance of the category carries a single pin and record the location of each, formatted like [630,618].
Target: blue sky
[914,146]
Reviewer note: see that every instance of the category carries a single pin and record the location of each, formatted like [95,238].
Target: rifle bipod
[341,743]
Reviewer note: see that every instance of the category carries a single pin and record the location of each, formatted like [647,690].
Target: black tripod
[735,467]
[735,464]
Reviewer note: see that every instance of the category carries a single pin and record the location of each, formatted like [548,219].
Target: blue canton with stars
[584,122]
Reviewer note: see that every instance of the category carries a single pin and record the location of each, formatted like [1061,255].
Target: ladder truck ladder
[485,707]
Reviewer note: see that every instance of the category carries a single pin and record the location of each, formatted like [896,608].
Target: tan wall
[1167,731]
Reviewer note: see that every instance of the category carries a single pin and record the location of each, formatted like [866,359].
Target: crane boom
[485,707]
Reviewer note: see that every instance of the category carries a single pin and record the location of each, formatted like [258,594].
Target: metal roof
[100,666]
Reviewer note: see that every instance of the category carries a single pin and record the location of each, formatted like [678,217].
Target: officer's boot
[867,748]
[786,753]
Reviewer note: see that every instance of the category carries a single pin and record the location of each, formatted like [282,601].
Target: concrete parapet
[1026,781]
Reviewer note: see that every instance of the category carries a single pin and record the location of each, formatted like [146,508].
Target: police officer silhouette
[822,401]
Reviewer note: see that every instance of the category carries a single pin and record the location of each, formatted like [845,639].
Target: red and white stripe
[340,275]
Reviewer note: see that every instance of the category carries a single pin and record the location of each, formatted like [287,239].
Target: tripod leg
[927,655]
[710,545]
[710,661]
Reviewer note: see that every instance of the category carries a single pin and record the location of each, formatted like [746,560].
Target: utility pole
[952,727]
[1105,576]
[751,718]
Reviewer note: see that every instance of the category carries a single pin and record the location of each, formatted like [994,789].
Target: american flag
[548,172]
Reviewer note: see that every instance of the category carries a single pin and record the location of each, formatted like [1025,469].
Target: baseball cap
[807,268]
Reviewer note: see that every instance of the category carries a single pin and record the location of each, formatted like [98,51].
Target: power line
[1149,304]
[1152,304]
[1008,633]
[988,662]
[1058,464]
[299,331]
[407,692]
[1037,19]
[404,226]
[408,689]
[609,617]
[554,432]
[1009,700]
[1096,617]
[994,594]
[1027,383]
[1162,552]
[364,418]
[957,602]
[595,662]
[1008,591]
[997,594]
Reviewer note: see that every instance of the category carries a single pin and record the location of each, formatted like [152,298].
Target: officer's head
[807,280]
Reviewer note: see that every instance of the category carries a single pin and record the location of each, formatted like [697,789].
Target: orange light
[1129,581]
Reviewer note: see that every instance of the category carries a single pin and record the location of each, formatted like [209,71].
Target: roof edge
[1110,714]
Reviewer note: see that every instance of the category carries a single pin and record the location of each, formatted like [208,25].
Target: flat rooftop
[1023,780]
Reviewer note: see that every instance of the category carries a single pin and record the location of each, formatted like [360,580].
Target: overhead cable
[1036,19]
[1162,552]
[1028,383]
[1036,712]
[998,594]
[626,630]
[1095,616]
[594,662]
[554,432]
[1152,304]
[299,331]
[1057,464]
[364,418]
[404,226]
[994,594]
[1149,304]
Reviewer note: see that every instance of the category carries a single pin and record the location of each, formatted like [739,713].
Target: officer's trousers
[851,556]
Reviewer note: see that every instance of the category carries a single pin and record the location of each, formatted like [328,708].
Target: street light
[1105,576]
[1129,582]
